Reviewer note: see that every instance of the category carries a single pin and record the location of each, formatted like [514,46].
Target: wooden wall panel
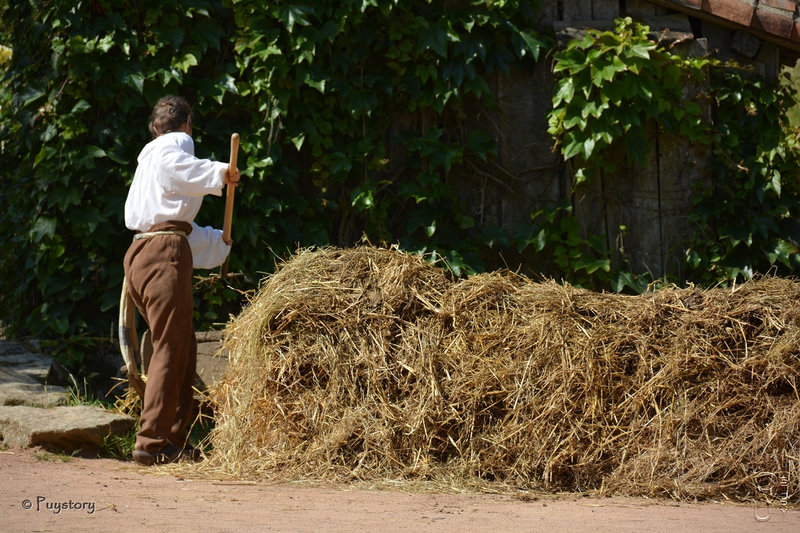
[605,9]
[577,10]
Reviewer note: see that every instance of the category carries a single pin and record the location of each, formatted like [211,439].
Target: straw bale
[371,364]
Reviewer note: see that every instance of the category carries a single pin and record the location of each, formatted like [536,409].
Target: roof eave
[772,24]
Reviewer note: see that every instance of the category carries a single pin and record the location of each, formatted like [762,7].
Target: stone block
[68,428]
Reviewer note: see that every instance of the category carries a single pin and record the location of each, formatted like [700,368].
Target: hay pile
[371,364]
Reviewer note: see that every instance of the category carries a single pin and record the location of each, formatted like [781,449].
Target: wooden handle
[229,196]
[229,190]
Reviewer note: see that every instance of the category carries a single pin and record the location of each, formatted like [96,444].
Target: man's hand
[232,177]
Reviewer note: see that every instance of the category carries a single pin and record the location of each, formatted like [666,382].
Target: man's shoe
[167,454]
[190,453]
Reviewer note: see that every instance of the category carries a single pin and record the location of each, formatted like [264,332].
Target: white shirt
[169,184]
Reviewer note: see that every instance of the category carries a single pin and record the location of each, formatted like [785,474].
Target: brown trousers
[159,274]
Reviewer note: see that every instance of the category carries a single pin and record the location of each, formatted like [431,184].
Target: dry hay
[370,364]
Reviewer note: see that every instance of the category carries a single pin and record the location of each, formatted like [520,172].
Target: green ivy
[331,81]
[315,90]
[610,86]
[555,237]
[748,221]
[356,120]
[82,78]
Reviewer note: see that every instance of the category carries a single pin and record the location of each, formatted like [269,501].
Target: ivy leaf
[478,86]
[575,120]
[540,241]
[186,62]
[62,197]
[363,198]
[622,280]
[43,227]
[80,106]
[95,151]
[613,91]
[572,146]
[328,31]
[532,42]
[480,143]
[572,60]
[205,33]
[783,252]
[432,36]
[445,156]
[590,108]
[174,36]
[591,265]
[318,84]
[86,219]
[136,80]
[32,96]
[565,92]
[588,147]
[775,182]
[641,50]
[106,43]
[454,71]
[605,73]
[294,14]
[629,117]
[636,145]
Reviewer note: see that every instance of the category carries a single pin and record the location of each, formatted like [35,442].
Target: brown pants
[159,274]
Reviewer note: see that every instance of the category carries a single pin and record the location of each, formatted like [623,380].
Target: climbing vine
[354,116]
[611,85]
[315,89]
[747,221]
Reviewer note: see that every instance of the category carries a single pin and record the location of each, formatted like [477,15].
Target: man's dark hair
[169,114]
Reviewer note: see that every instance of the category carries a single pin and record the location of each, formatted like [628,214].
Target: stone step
[67,428]
[33,411]
[25,378]
[14,355]
[17,388]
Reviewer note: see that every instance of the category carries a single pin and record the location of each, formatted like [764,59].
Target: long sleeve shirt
[169,185]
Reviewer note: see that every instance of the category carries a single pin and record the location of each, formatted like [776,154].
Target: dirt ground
[44,492]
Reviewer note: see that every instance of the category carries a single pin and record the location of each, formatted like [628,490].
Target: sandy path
[109,495]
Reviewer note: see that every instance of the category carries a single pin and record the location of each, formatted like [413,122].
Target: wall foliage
[612,85]
[312,88]
[355,117]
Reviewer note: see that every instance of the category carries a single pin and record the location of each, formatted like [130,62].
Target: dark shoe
[190,453]
[167,454]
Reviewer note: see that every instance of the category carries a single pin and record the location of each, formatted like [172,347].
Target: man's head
[171,113]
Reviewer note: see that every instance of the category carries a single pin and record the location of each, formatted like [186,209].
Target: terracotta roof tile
[776,18]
